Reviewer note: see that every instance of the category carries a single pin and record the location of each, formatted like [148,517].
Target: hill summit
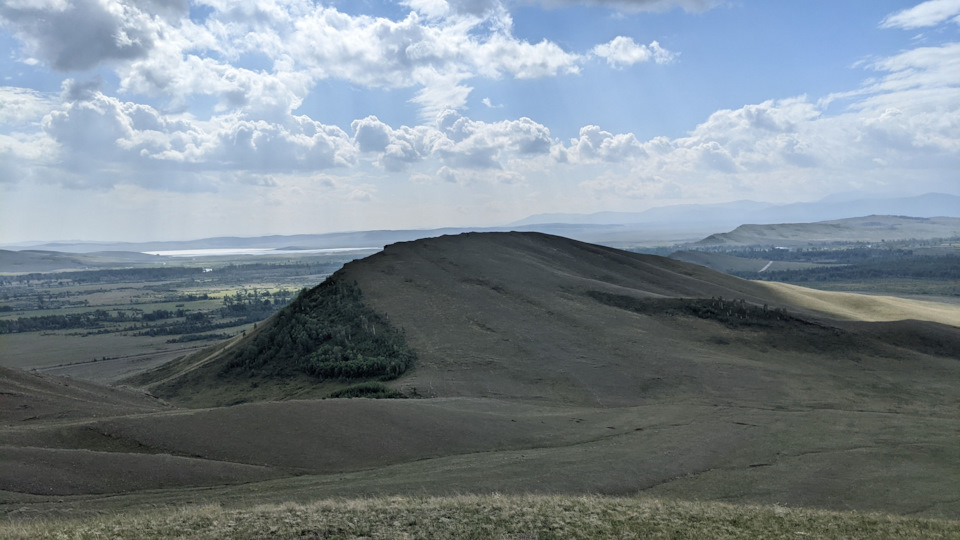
[531,317]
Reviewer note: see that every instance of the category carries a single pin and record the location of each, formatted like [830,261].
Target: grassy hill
[50,261]
[861,229]
[543,365]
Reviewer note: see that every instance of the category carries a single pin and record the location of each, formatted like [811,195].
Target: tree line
[328,333]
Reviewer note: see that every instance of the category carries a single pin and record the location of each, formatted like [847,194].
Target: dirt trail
[199,363]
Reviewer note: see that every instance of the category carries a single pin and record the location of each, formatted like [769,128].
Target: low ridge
[859,229]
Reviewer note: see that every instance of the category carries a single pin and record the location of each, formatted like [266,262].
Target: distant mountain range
[742,212]
[612,234]
[663,225]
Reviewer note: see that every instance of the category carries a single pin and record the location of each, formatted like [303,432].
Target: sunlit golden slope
[861,307]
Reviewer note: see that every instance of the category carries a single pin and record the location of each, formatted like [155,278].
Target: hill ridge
[486,312]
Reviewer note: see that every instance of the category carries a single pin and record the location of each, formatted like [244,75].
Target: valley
[540,365]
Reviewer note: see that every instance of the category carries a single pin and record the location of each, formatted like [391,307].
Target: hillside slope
[517,316]
[29,397]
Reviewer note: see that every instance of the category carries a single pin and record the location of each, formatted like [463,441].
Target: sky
[136,120]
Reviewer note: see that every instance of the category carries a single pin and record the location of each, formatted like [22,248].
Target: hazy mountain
[686,213]
[928,205]
[48,261]
[664,224]
[861,229]
[612,234]
[736,213]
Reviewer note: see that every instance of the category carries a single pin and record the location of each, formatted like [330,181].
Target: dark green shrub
[372,390]
[328,333]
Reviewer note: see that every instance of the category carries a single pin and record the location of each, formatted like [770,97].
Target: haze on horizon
[177,119]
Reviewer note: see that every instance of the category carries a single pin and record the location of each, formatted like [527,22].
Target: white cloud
[82,34]
[157,50]
[370,134]
[595,145]
[128,142]
[20,106]
[438,56]
[930,13]
[524,60]
[623,51]
[455,140]
[902,126]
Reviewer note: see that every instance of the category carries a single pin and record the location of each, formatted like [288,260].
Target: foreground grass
[488,517]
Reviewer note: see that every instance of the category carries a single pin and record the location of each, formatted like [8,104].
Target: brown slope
[860,229]
[28,397]
[511,316]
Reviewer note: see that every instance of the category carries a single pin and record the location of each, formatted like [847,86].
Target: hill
[50,261]
[863,229]
[542,365]
[484,312]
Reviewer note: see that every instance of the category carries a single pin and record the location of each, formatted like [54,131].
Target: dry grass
[859,307]
[489,517]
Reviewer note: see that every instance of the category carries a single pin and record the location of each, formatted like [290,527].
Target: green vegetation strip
[733,313]
[328,333]
[372,390]
[489,517]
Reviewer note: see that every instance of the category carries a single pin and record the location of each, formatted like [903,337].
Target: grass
[488,517]
[852,306]
[31,350]
[943,291]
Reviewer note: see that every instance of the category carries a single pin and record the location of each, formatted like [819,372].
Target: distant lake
[223,252]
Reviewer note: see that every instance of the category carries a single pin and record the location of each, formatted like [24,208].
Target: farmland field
[105,324]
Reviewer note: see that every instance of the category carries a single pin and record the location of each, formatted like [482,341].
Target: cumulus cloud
[370,134]
[902,124]
[20,106]
[623,51]
[156,49]
[900,121]
[98,132]
[81,34]
[930,13]
[595,145]
[438,56]
[454,139]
